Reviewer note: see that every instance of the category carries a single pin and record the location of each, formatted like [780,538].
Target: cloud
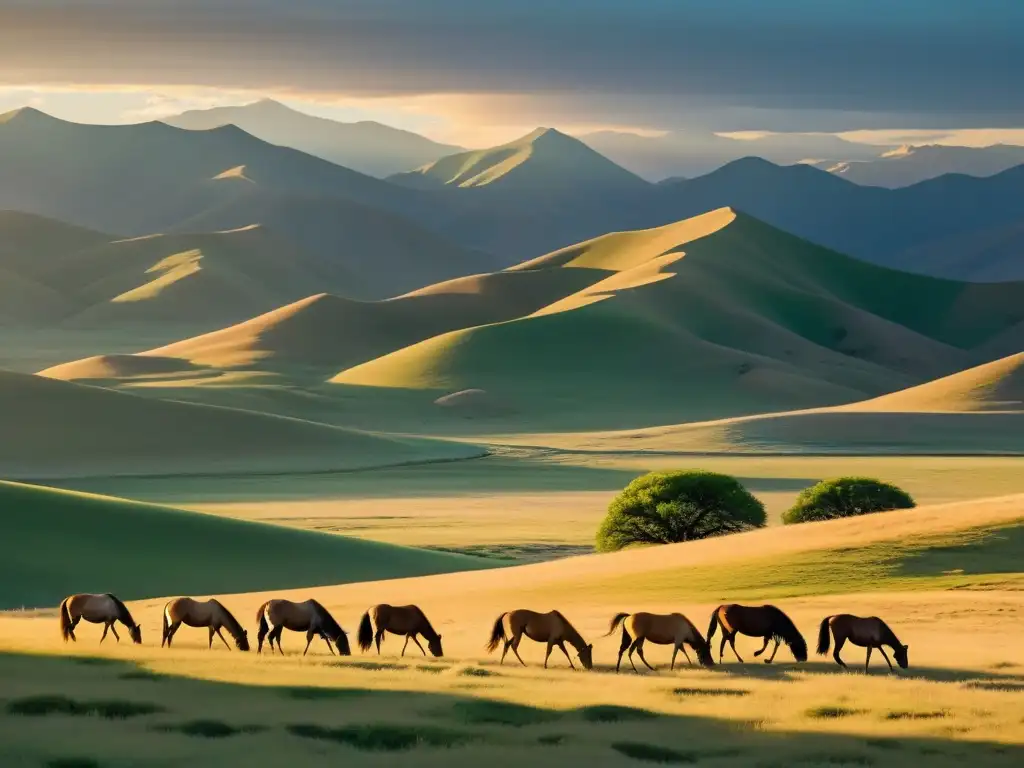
[736,64]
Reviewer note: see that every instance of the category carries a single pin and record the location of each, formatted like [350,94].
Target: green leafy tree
[668,507]
[846,497]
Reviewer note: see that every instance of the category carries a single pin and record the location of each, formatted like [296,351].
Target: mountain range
[909,164]
[367,146]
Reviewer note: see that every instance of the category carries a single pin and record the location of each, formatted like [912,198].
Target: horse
[193,613]
[97,609]
[661,629]
[870,633]
[406,620]
[551,628]
[765,621]
[310,617]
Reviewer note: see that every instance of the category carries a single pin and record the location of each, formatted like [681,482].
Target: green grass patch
[382,738]
[142,674]
[551,739]
[832,713]
[485,712]
[314,693]
[911,715]
[372,666]
[652,753]
[72,762]
[1003,686]
[44,706]
[609,713]
[431,669]
[210,729]
[725,692]
[477,672]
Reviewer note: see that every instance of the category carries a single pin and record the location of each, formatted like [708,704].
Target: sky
[475,72]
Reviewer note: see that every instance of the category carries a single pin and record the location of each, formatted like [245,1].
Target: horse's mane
[329,622]
[122,610]
[233,626]
[426,621]
[568,624]
[784,630]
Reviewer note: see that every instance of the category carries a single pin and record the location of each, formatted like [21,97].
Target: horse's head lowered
[135,631]
[900,653]
[242,640]
[586,656]
[435,646]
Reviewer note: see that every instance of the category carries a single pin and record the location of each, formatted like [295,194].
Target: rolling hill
[143,550]
[716,315]
[366,146]
[987,255]
[58,429]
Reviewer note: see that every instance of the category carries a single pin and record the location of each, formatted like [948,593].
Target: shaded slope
[57,429]
[142,550]
[989,255]
[360,251]
[720,314]
[912,164]
[366,146]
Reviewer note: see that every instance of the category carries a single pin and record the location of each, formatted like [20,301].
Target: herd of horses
[552,628]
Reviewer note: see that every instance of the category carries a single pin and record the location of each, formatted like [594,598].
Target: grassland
[959,701]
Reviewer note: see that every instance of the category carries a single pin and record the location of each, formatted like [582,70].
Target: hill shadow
[180,716]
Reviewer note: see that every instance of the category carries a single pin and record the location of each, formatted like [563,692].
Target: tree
[846,497]
[668,507]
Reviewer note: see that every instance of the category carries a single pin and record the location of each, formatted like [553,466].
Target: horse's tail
[365,636]
[713,626]
[784,629]
[65,620]
[497,633]
[264,627]
[166,625]
[824,635]
[618,619]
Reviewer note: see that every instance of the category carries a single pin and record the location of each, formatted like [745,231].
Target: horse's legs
[885,656]
[221,636]
[406,644]
[675,652]
[114,630]
[515,648]
[211,638]
[275,634]
[106,627]
[623,647]
[548,653]
[309,639]
[763,647]
[508,644]
[561,644]
[732,644]
[329,647]
[867,659]
[640,652]
[377,639]
[840,642]
[170,633]
[418,644]
[721,648]
[775,650]
[682,647]
[633,647]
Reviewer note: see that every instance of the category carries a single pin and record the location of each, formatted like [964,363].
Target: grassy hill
[143,550]
[717,315]
[366,146]
[58,429]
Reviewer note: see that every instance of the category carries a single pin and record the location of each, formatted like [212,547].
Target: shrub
[668,507]
[846,497]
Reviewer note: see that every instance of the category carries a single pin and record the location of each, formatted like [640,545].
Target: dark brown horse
[870,633]
[210,613]
[275,616]
[97,609]
[406,620]
[765,621]
[551,628]
[661,629]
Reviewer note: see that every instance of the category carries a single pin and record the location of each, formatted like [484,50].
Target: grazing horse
[551,628]
[868,633]
[309,617]
[96,609]
[661,629]
[406,620]
[765,621]
[192,613]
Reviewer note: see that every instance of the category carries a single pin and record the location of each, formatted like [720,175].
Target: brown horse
[551,628]
[661,629]
[309,617]
[192,613]
[96,609]
[870,633]
[765,621]
[406,620]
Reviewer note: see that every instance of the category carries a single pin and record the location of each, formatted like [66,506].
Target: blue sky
[473,66]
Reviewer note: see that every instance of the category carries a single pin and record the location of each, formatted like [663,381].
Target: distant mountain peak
[25,115]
